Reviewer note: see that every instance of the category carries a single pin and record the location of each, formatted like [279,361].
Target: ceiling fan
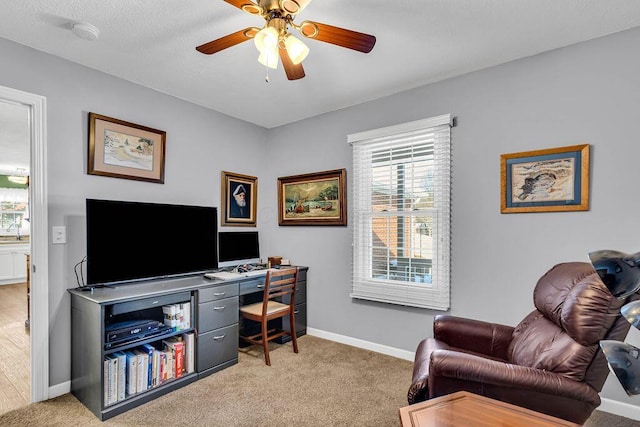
[274,41]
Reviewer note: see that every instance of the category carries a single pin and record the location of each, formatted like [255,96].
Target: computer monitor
[238,248]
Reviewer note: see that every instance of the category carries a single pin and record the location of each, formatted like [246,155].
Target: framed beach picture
[239,199]
[313,199]
[551,180]
[120,149]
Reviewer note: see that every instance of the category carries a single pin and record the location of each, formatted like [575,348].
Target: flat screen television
[129,241]
[237,248]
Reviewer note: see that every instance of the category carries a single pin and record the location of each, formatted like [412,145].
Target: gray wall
[200,144]
[584,94]
[587,93]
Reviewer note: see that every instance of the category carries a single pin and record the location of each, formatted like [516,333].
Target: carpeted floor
[316,387]
[326,384]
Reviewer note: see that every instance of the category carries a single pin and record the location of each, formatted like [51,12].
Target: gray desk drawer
[217,347]
[216,314]
[217,292]
[251,286]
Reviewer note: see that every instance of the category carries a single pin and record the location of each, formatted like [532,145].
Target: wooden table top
[471,410]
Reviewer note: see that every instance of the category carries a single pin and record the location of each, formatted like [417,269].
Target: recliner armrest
[492,339]
[472,368]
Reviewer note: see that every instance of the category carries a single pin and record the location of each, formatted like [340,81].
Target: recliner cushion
[574,312]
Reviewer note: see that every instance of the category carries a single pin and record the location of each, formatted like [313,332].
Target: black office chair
[277,286]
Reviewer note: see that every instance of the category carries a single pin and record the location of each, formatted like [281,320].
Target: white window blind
[401,203]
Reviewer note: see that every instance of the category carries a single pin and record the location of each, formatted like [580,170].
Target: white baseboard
[59,389]
[367,345]
[620,408]
[611,406]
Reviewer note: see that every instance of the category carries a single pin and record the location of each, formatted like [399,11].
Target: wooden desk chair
[280,285]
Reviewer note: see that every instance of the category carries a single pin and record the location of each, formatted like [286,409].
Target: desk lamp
[620,272]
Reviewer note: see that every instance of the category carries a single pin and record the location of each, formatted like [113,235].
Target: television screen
[133,240]
[239,247]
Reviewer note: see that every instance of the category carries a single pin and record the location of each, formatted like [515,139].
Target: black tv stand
[214,306]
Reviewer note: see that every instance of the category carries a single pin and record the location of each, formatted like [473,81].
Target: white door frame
[39,323]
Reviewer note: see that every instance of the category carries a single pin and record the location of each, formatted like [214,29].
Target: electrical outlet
[59,235]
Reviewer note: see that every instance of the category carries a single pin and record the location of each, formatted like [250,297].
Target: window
[401,213]
[14,211]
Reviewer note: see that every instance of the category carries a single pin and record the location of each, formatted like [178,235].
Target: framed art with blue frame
[239,199]
[550,180]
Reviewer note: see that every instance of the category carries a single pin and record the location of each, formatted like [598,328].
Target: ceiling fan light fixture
[296,49]
[269,58]
[20,177]
[266,39]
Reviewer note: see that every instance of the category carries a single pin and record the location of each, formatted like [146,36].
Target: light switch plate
[59,235]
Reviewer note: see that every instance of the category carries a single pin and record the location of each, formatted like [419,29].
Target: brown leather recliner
[551,362]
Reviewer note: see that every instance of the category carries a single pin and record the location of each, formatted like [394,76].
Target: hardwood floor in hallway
[15,375]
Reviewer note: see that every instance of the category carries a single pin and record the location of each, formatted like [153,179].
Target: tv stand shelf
[213,321]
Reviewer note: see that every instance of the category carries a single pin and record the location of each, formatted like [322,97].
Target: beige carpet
[316,387]
[326,384]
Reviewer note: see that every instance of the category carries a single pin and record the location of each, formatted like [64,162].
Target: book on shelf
[162,367]
[171,315]
[122,374]
[167,367]
[177,316]
[132,372]
[189,358]
[111,379]
[149,349]
[142,369]
[175,346]
[105,382]
[186,315]
[155,369]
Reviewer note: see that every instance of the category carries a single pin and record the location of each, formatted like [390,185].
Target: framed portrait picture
[313,199]
[239,199]
[551,180]
[120,149]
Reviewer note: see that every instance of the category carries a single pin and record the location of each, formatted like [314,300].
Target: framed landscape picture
[551,180]
[120,149]
[313,199]
[239,199]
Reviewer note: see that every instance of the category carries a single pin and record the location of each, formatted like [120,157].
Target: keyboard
[223,275]
[251,273]
[228,275]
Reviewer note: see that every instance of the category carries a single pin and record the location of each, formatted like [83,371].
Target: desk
[219,325]
[471,410]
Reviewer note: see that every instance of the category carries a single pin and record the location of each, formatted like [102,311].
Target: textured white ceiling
[152,43]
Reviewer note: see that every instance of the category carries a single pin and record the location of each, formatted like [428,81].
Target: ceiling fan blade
[293,6]
[293,71]
[247,6]
[228,41]
[338,36]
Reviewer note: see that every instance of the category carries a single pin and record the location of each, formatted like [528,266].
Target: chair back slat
[280,283]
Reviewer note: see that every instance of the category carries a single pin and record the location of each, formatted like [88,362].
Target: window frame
[365,285]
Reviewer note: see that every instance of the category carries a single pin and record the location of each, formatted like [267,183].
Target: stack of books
[177,316]
[134,371]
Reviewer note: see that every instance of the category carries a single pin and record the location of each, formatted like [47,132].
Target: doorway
[35,109]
